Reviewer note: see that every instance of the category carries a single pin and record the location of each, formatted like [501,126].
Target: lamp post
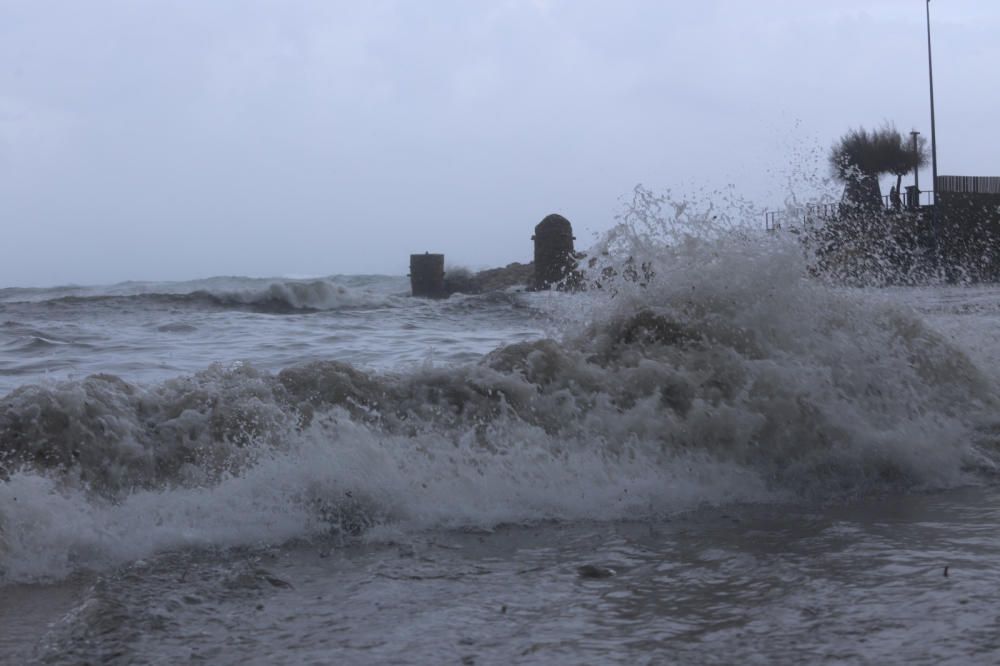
[930,73]
[914,202]
[935,215]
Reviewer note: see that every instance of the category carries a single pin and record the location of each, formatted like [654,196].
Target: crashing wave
[726,374]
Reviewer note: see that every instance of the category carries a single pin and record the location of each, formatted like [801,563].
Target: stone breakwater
[554,266]
[513,275]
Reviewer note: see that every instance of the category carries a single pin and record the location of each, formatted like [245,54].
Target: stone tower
[554,256]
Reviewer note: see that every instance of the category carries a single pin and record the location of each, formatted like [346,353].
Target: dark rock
[511,275]
[594,571]
[462,281]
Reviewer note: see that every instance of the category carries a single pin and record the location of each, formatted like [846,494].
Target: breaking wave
[704,368]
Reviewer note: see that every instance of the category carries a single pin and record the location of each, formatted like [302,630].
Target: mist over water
[225,424]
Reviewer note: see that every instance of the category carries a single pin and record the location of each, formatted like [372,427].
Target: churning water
[712,458]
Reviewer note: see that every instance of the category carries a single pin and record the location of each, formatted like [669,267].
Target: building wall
[968,226]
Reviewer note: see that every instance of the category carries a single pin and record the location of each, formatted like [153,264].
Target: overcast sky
[156,139]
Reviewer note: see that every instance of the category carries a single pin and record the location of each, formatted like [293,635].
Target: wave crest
[275,296]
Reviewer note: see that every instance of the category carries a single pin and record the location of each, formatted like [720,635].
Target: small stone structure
[554,255]
[427,275]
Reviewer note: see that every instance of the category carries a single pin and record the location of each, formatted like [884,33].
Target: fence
[969,184]
[792,219]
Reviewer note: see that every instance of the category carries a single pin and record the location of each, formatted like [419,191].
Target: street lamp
[930,73]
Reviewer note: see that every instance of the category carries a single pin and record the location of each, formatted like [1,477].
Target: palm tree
[861,156]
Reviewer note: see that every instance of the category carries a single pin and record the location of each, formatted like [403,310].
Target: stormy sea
[718,458]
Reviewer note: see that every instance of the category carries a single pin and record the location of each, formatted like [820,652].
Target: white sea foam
[344,478]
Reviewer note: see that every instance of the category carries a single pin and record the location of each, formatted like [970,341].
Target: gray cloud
[166,140]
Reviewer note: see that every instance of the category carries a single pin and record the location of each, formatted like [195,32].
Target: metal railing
[906,201]
[775,220]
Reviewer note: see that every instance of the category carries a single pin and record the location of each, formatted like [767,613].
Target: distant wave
[273,296]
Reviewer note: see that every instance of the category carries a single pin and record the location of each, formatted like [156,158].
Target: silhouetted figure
[895,199]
